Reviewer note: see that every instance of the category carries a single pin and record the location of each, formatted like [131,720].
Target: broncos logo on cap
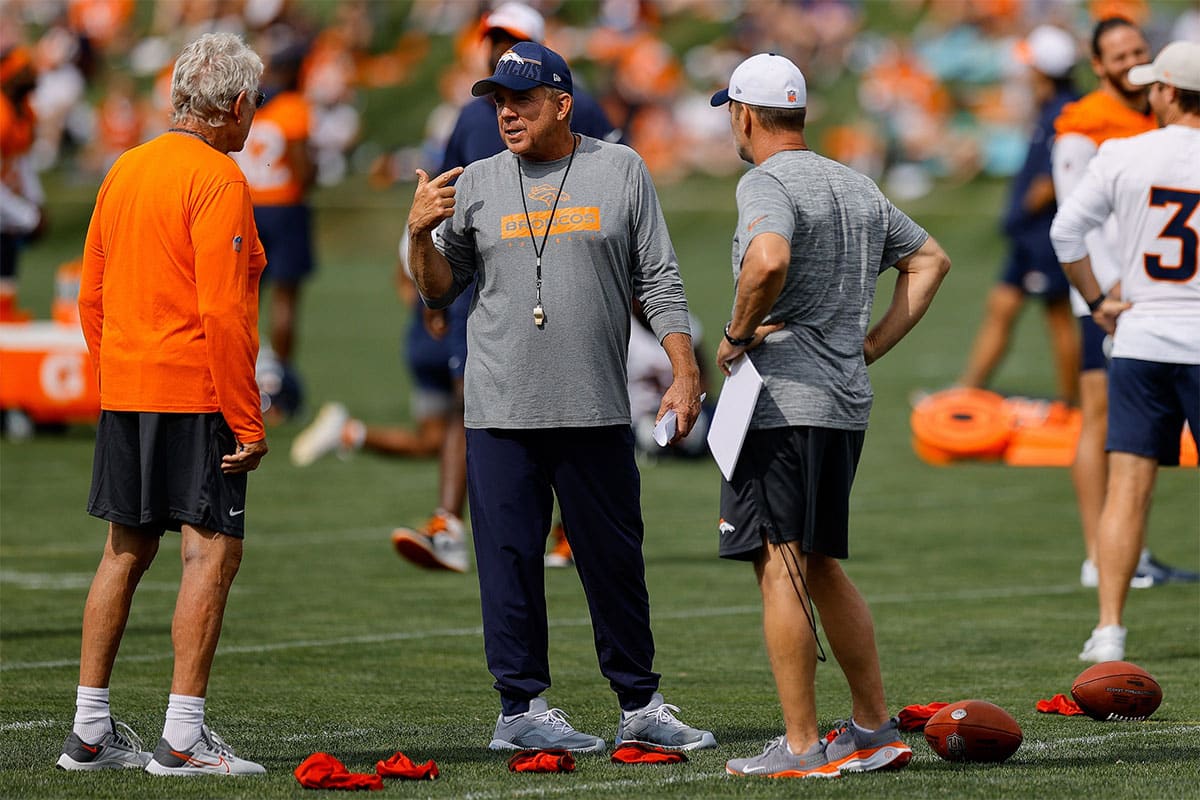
[545,193]
[510,56]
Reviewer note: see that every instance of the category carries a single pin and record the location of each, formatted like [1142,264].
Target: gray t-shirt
[608,243]
[843,233]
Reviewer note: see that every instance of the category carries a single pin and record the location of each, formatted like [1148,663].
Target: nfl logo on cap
[768,80]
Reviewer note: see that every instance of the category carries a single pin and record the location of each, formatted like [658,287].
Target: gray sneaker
[542,728]
[209,755]
[853,750]
[120,748]
[656,725]
[777,761]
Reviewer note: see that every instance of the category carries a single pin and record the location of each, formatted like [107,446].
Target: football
[1116,690]
[973,730]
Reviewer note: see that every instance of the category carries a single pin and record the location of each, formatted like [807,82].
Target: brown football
[1116,690]
[973,730]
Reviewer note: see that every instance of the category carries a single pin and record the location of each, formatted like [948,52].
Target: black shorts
[790,485]
[161,471]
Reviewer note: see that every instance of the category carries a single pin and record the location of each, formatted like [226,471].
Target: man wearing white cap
[812,238]
[1150,185]
[1031,269]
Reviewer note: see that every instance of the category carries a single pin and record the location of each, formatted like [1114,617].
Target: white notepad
[735,407]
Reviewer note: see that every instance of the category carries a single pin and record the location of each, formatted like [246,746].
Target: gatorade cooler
[46,372]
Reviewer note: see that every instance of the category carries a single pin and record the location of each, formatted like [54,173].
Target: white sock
[185,715]
[93,718]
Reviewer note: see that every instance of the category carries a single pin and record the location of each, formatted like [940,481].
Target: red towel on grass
[637,753]
[323,771]
[401,766]
[1059,704]
[914,717]
[542,761]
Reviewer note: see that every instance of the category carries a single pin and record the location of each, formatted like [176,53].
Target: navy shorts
[1034,275]
[790,485]
[1091,345]
[1148,402]
[159,472]
[286,235]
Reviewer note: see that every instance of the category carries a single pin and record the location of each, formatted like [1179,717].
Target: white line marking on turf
[28,725]
[574,788]
[403,636]
[67,580]
[1073,743]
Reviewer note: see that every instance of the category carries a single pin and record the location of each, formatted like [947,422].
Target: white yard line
[442,633]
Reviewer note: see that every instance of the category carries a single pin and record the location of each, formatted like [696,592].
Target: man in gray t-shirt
[812,238]
[559,233]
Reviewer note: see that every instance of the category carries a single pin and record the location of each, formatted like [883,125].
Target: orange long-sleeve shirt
[168,298]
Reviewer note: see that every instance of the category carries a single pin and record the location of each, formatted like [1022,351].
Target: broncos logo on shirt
[545,193]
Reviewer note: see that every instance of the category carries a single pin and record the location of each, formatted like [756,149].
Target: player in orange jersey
[21,196]
[280,171]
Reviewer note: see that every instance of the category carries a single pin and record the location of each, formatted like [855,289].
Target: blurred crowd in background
[941,99]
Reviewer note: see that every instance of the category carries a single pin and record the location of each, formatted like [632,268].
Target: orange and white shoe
[853,749]
[440,544]
[560,554]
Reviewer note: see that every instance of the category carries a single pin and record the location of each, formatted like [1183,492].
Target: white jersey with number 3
[1151,184]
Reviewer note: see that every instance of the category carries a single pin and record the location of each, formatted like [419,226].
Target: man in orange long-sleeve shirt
[168,301]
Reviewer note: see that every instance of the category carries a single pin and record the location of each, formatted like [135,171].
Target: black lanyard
[539,313]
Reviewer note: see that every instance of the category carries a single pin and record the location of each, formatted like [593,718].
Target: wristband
[737,342]
[1092,306]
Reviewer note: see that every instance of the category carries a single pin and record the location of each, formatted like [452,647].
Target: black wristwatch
[737,342]
[1092,306]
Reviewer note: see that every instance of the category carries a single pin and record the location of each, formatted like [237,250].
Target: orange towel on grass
[323,771]
[914,717]
[401,766]
[542,761]
[637,753]
[1059,704]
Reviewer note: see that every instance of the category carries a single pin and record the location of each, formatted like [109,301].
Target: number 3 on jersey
[1176,228]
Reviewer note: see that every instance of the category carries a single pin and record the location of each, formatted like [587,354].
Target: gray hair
[209,75]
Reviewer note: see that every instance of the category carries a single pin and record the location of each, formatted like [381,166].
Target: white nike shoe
[322,436]
[209,755]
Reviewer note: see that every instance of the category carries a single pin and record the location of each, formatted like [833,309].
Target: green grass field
[334,644]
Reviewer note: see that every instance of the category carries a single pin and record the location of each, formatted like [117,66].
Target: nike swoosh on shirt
[750,227]
[233,513]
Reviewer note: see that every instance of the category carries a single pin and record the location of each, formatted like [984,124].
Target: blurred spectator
[21,195]
[278,166]
[1032,269]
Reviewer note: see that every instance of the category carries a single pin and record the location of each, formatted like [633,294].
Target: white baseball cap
[768,80]
[517,19]
[1178,65]
[1049,50]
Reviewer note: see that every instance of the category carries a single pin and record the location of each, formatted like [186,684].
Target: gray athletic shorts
[161,471]
[790,485]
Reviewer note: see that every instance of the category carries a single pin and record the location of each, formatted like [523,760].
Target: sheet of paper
[664,431]
[735,406]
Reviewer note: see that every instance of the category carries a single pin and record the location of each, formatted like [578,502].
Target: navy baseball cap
[526,65]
